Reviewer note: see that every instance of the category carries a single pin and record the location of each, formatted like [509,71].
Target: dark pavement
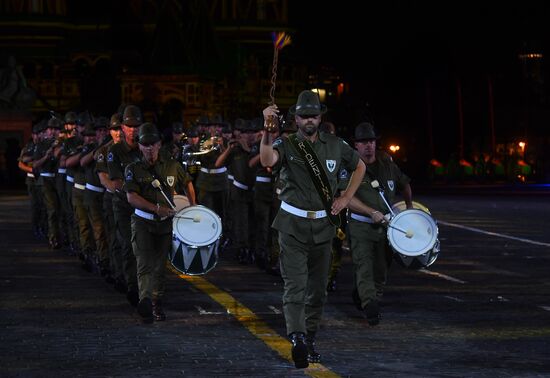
[482,310]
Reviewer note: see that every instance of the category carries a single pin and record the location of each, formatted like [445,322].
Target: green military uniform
[120,155]
[305,240]
[369,246]
[47,173]
[60,188]
[241,196]
[115,254]
[212,184]
[70,147]
[28,152]
[336,261]
[80,212]
[265,208]
[93,200]
[152,235]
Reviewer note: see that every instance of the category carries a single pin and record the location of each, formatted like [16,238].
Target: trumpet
[212,143]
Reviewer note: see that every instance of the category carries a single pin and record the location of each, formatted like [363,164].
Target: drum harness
[376,185]
[158,184]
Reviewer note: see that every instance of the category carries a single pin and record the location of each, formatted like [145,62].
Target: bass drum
[420,250]
[195,239]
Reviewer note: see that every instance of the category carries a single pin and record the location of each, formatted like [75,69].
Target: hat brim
[308,111]
[366,139]
[148,139]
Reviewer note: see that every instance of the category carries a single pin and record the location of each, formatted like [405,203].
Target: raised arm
[268,156]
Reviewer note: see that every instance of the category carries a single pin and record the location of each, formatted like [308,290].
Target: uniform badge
[129,175]
[331,165]
[100,158]
[110,157]
[391,185]
[170,180]
[343,174]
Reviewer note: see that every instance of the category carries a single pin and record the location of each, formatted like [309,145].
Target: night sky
[397,54]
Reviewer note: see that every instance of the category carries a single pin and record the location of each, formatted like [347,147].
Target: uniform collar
[321,136]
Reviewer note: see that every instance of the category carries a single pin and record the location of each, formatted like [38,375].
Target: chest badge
[170,180]
[391,185]
[331,165]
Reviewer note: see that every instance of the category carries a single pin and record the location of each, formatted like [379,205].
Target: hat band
[308,107]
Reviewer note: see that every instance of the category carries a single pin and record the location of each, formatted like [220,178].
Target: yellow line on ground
[253,323]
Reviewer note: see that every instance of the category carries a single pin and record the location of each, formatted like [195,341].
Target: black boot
[158,314]
[331,284]
[120,286]
[372,313]
[145,310]
[133,297]
[356,299]
[243,256]
[312,355]
[87,263]
[299,350]
[54,243]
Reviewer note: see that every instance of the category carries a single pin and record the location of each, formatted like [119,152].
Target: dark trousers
[52,207]
[94,205]
[304,269]
[81,217]
[115,253]
[123,214]
[151,241]
[213,200]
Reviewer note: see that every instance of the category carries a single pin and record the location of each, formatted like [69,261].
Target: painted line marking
[493,233]
[441,275]
[253,323]
[202,311]
[453,298]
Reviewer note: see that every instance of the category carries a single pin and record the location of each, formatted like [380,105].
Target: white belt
[263,179]
[47,174]
[361,218]
[146,215]
[94,188]
[216,170]
[70,178]
[79,186]
[30,175]
[303,213]
[62,170]
[230,177]
[240,185]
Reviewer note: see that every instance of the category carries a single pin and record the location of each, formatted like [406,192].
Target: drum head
[401,205]
[180,202]
[421,228]
[197,226]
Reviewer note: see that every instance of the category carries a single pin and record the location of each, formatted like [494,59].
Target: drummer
[152,218]
[368,217]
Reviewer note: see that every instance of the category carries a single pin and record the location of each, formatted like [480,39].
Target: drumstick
[196,218]
[407,233]
[376,186]
[156,184]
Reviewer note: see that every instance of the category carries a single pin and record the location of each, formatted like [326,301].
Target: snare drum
[421,248]
[195,239]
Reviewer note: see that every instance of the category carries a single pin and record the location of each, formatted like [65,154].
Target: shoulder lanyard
[317,174]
